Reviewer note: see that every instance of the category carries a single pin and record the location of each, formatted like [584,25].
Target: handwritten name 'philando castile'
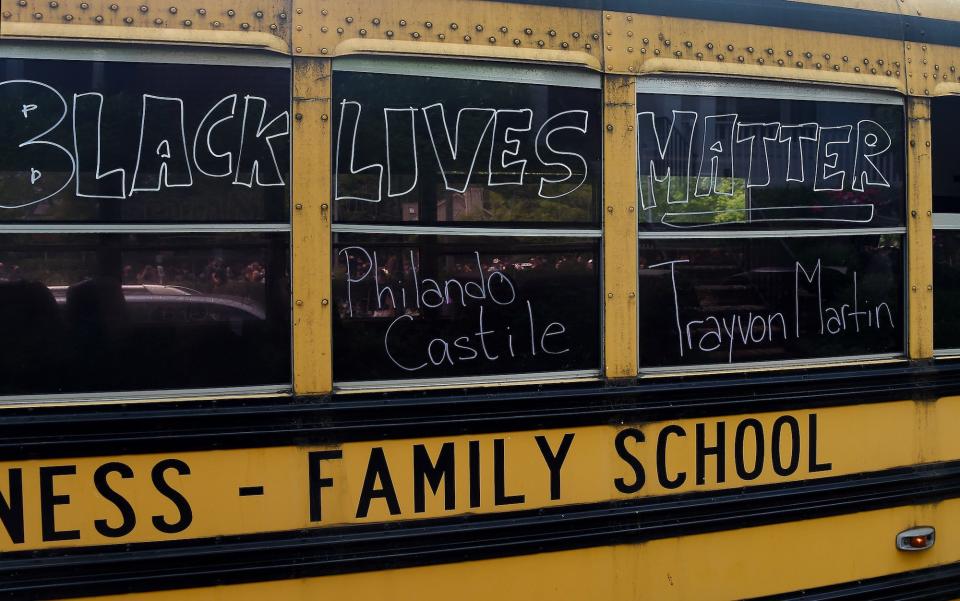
[717,331]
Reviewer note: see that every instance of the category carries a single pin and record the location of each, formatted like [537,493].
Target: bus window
[147,213]
[771,224]
[466,223]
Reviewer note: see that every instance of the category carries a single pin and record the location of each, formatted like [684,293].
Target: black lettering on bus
[814,465]
[681,477]
[316,482]
[434,473]
[742,472]
[163,487]
[377,470]
[11,507]
[778,467]
[128,518]
[555,461]
[49,501]
[500,496]
[719,450]
[473,448]
[639,477]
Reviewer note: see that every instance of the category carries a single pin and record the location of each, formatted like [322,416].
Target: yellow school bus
[435,299]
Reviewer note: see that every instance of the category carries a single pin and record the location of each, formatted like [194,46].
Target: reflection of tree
[526,205]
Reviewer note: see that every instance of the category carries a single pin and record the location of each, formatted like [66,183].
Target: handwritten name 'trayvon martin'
[749,328]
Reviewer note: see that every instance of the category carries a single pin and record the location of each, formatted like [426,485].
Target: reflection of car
[153,303]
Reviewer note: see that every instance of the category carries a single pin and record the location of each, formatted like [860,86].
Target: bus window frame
[712,86]
[518,72]
[168,55]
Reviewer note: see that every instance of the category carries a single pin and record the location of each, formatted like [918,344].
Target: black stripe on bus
[65,573]
[784,13]
[941,583]
[113,429]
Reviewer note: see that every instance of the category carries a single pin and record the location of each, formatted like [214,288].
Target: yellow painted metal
[734,564]
[620,226]
[310,195]
[263,24]
[920,228]
[462,28]
[851,439]
[636,43]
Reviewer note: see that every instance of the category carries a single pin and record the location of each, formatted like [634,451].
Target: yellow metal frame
[620,245]
[311,238]
[920,228]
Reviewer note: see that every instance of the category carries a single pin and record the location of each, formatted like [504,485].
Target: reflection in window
[138,312]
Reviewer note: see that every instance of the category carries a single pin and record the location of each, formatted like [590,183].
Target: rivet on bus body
[929,287]
[699,55]
[643,51]
[516,42]
[492,40]
[322,50]
[629,34]
[144,8]
[282,16]
[188,23]
[610,128]
[299,303]
[324,207]
[631,209]
[630,49]
[632,295]
[322,12]
[323,29]
[441,36]
[298,116]
[258,14]
[608,16]
[244,26]
[528,31]
[128,20]
[479,27]
[564,45]
[789,52]
[729,47]
[84,5]
[324,117]
[7,14]
[324,302]
[610,209]
[503,29]
[629,17]
[37,16]
[363,32]
[575,35]
[298,206]
[203,11]
[646,40]
[454,26]
[609,295]
[428,24]
[173,10]
[914,288]
[676,53]
[826,56]
[709,45]
[403,22]
[846,59]
[631,68]
[158,21]
[340,30]
[217,23]
[466,38]
[913,213]
[540,43]
[750,49]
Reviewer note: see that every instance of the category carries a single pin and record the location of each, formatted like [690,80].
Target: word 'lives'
[455,143]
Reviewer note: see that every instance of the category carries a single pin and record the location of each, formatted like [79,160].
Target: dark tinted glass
[945,116]
[722,162]
[733,301]
[431,307]
[137,142]
[137,312]
[946,289]
[431,150]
